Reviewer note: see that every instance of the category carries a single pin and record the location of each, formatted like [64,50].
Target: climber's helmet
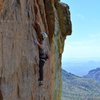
[44,35]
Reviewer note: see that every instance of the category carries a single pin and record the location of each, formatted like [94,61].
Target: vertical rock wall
[21,22]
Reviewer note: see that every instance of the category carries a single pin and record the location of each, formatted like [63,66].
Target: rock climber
[43,56]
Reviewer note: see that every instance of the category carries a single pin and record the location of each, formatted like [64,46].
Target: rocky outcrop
[94,74]
[21,22]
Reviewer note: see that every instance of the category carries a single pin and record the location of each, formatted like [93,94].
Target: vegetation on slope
[79,88]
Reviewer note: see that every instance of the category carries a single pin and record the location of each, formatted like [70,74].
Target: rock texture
[21,22]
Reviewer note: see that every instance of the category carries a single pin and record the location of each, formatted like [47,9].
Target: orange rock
[1,5]
[22,22]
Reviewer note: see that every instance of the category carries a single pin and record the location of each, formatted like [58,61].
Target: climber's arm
[36,42]
[40,46]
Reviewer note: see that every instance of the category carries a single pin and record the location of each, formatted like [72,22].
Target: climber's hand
[35,42]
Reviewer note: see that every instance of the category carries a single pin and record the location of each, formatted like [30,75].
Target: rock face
[21,22]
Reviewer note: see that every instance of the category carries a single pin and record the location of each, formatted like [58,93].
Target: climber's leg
[41,64]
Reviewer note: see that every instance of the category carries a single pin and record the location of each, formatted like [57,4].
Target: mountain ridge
[94,74]
[79,88]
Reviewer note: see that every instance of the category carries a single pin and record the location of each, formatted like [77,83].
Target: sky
[84,42]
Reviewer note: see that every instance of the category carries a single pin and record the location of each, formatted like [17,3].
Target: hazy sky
[84,43]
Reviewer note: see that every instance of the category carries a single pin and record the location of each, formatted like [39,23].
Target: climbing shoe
[40,83]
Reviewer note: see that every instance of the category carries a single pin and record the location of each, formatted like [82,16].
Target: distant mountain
[79,88]
[95,74]
[66,75]
[80,68]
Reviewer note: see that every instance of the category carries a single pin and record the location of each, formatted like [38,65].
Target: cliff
[21,22]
